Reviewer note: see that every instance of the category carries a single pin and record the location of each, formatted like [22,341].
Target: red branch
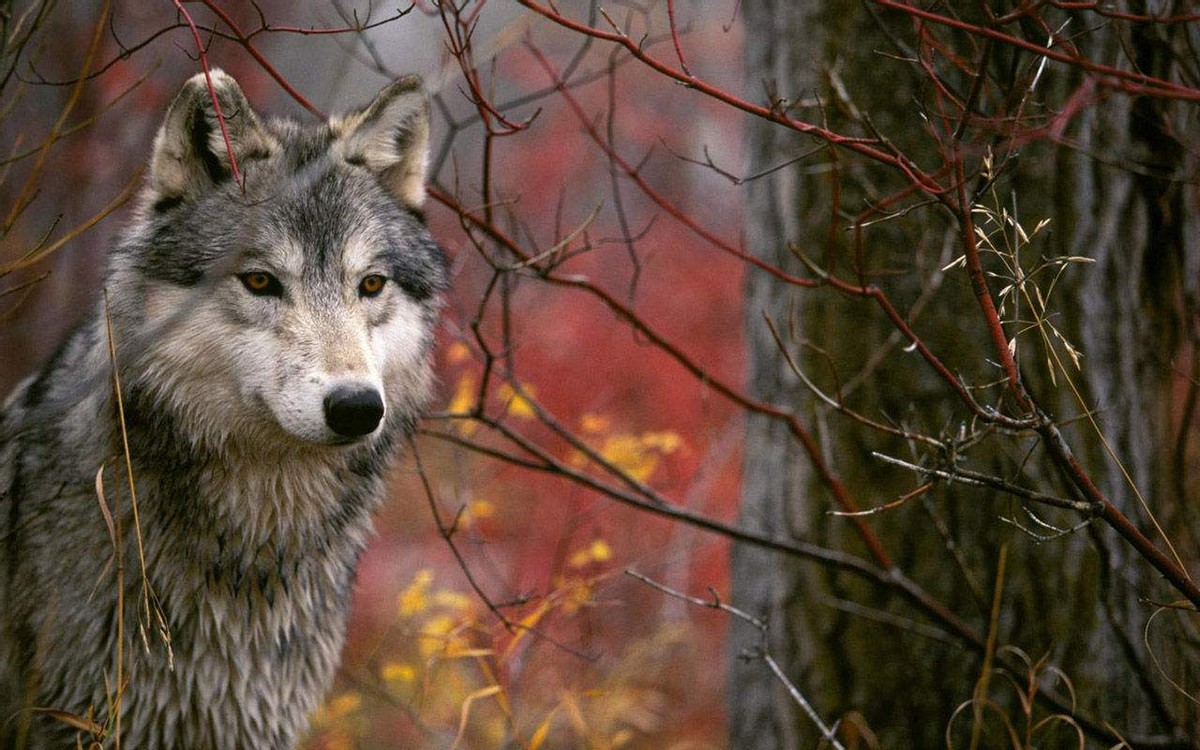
[212,92]
[1128,81]
[263,62]
[675,37]
[825,279]
[954,196]
[775,113]
[828,477]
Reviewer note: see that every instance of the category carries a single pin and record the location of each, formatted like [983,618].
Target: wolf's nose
[353,412]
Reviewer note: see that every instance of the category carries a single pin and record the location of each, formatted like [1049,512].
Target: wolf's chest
[253,648]
[253,588]
[269,590]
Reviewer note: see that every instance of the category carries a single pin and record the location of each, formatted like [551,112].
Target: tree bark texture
[1119,188]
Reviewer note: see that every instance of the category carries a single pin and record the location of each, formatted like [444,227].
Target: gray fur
[253,509]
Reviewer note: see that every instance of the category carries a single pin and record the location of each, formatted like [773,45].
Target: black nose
[353,412]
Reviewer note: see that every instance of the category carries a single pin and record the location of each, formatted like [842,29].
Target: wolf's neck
[292,507]
[255,491]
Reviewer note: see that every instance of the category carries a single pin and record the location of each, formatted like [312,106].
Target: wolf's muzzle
[353,411]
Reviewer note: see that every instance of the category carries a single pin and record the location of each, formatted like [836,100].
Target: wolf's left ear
[391,138]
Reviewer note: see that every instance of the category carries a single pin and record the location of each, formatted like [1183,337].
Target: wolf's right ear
[190,151]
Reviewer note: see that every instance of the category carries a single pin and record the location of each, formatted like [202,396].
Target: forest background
[812,372]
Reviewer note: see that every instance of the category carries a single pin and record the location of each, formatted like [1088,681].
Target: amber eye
[261,283]
[371,285]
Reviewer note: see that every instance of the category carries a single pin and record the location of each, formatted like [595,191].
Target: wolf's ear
[190,152]
[391,138]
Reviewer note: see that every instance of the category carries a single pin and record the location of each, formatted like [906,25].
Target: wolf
[188,483]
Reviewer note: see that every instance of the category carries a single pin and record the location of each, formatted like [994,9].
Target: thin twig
[829,733]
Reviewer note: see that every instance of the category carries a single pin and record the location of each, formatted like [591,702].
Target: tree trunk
[1124,196]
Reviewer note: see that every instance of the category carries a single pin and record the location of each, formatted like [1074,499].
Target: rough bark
[1124,196]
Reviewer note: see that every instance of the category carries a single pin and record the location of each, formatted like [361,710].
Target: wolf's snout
[353,412]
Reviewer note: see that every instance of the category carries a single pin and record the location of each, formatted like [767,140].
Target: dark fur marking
[283,644]
[12,535]
[36,393]
[421,270]
[201,130]
[165,204]
[403,139]
[416,213]
[258,154]
[26,646]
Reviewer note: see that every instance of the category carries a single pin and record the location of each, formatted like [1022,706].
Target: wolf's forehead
[325,204]
[302,144]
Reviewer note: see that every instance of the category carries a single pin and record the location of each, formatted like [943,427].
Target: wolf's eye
[371,285]
[261,284]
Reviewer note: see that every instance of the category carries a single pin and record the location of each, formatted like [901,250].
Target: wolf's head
[278,285]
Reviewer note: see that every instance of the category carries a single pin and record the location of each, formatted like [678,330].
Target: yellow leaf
[594,423]
[476,510]
[458,352]
[453,600]
[465,392]
[577,458]
[577,596]
[597,551]
[516,403]
[600,551]
[665,441]
[337,708]
[638,455]
[435,636]
[345,704]
[413,600]
[481,508]
[398,672]
[629,454]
